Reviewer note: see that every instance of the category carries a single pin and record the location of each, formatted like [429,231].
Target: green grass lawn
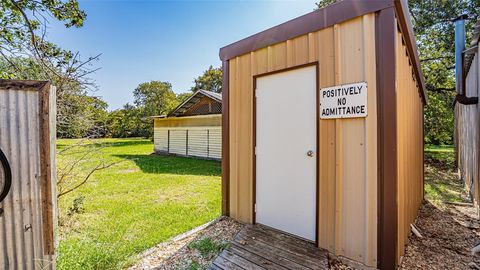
[439,148]
[134,205]
[441,181]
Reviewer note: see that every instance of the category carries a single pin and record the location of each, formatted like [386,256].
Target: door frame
[317,150]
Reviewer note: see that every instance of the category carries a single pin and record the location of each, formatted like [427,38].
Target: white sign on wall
[344,101]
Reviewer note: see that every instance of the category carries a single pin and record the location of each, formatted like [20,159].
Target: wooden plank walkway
[256,247]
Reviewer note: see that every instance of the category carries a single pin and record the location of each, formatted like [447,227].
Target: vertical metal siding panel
[260,61]
[33,169]
[32,146]
[245,122]
[17,213]
[326,52]
[7,204]
[409,145]
[277,56]
[400,139]
[160,139]
[468,134]
[473,113]
[197,143]
[371,141]
[299,50]
[3,248]
[53,171]
[352,149]
[178,141]
[25,183]
[215,143]
[234,112]
[338,149]
[21,232]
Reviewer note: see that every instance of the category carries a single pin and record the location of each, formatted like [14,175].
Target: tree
[25,54]
[210,80]
[434,33]
[155,97]
[128,122]
[79,114]
[23,25]
[325,3]
[183,96]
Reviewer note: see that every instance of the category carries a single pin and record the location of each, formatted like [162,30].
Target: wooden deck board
[257,247]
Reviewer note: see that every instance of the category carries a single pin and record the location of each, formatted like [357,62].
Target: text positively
[344,101]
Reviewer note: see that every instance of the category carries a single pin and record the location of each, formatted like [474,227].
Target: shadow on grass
[441,181]
[159,164]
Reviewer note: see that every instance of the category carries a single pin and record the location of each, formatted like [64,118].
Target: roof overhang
[327,17]
[188,117]
[194,98]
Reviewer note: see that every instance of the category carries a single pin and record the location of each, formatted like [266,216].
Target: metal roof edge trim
[406,28]
[310,22]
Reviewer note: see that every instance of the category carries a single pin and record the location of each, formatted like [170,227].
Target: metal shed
[323,129]
[27,175]
[192,129]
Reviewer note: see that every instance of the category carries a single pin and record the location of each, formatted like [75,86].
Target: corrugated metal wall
[215,143]
[160,140]
[409,146]
[178,142]
[348,147]
[203,139]
[468,128]
[25,243]
[196,141]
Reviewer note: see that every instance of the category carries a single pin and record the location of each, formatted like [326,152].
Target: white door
[286,151]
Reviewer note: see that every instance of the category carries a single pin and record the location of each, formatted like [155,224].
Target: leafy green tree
[183,96]
[25,54]
[435,37]
[325,3]
[210,80]
[155,97]
[23,27]
[134,120]
[434,33]
[125,122]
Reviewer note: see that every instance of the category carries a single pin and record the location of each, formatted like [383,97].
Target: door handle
[310,153]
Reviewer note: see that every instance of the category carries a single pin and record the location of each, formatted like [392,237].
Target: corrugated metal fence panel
[215,143]
[53,161]
[21,227]
[178,142]
[468,118]
[198,142]
[160,139]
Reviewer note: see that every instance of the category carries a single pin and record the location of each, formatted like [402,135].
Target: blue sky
[164,40]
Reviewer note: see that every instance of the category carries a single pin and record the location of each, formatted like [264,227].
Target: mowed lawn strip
[134,205]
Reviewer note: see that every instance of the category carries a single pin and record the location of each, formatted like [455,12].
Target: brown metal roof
[327,17]
[193,99]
